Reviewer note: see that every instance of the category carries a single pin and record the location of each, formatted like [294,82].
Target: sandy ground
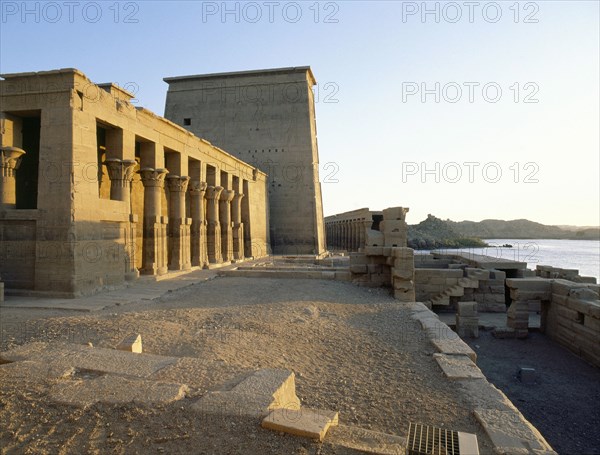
[353,349]
[563,402]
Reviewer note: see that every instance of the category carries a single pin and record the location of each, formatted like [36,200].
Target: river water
[583,255]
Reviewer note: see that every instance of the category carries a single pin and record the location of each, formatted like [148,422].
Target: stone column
[10,160]
[154,261]
[238,227]
[179,225]
[226,228]
[213,227]
[120,173]
[353,235]
[336,238]
[198,235]
[362,232]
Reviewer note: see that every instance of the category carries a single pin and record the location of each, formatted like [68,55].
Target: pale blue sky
[374,57]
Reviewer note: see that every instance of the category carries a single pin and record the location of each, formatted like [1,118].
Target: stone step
[469,283]
[455,291]
[305,422]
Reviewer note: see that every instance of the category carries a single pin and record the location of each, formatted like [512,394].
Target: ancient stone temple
[266,118]
[94,191]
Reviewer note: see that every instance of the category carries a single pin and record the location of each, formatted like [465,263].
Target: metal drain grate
[428,440]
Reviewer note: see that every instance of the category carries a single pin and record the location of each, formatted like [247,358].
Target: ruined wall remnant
[570,312]
[382,258]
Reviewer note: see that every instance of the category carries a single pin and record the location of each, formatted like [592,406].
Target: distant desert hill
[523,229]
[436,233]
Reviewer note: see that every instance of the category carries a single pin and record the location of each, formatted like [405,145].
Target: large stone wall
[106,191]
[266,118]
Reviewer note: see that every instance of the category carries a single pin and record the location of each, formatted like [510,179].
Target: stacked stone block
[546,271]
[490,295]
[403,274]
[572,318]
[390,266]
[467,320]
[394,227]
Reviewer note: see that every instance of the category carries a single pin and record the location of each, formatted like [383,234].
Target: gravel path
[353,349]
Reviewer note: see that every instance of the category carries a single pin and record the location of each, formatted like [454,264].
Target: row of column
[212,234]
[348,235]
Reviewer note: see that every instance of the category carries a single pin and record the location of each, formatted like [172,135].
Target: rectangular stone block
[403,253]
[403,273]
[467,309]
[395,213]
[386,226]
[358,259]
[497,275]
[374,268]
[478,274]
[374,250]
[358,269]
[304,422]
[343,276]
[467,331]
[374,238]
[133,343]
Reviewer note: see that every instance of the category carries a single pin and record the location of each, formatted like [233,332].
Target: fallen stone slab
[511,433]
[116,390]
[458,367]
[255,396]
[454,346]
[366,441]
[305,422]
[83,357]
[29,371]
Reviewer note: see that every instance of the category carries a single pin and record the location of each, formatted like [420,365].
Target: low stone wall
[546,271]
[570,312]
[573,319]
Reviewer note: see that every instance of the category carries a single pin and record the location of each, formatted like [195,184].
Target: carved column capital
[177,183]
[227,195]
[213,192]
[238,197]
[120,172]
[153,177]
[196,187]
[10,160]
